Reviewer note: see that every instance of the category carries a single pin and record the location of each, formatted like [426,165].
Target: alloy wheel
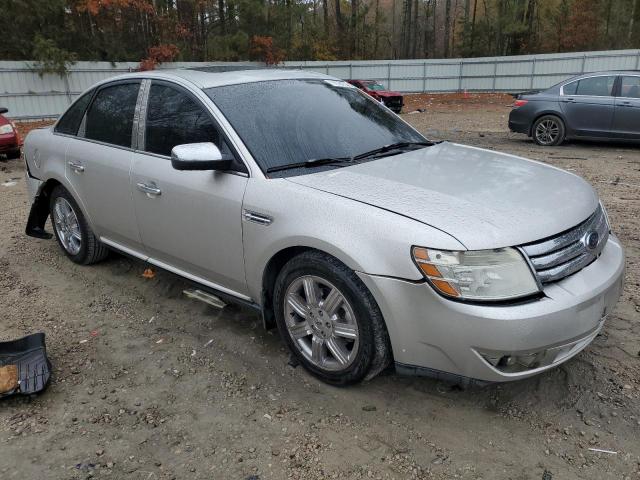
[67,226]
[547,131]
[321,323]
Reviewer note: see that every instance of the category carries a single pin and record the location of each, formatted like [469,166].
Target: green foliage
[59,31]
[228,48]
[49,57]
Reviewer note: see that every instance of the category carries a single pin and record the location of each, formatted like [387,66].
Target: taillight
[520,103]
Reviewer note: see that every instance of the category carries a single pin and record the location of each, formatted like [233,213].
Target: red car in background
[9,137]
[392,100]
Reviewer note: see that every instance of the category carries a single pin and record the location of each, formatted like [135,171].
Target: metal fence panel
[30,95]
[368,72]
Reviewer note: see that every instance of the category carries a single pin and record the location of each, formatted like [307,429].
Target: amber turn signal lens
[429,270]
[420,254]
[432,273]
[444,287]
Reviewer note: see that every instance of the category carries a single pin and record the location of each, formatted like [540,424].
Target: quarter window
[175,118]
[630,87]
[70,121]
[110,116]
[570,88]
[596,86]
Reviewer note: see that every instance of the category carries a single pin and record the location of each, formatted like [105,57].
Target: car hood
[482,198]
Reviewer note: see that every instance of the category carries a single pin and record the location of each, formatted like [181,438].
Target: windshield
[290,121]
[374,86]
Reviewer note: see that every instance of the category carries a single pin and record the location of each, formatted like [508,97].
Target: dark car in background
[9,137]
[392,100]
[600,105]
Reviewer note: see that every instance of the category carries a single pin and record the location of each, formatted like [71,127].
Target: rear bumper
[430,334]
[518,122]
[9,143]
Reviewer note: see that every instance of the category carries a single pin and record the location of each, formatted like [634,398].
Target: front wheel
[329,319]
[72,230]
[548,131]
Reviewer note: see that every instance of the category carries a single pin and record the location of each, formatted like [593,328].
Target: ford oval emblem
[591,240]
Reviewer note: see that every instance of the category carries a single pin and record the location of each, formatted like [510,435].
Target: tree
[127,30]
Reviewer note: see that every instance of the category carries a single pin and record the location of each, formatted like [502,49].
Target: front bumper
[393,103]
[440,337]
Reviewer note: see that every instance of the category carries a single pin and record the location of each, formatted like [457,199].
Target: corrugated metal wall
[28,95]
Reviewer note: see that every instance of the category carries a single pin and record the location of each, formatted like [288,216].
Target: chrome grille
[558,257]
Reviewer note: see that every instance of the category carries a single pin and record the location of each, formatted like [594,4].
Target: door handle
[76,167]
[149,189]
[569,100]
[625,104]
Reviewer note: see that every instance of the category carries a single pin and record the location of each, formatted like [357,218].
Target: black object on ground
[24,366]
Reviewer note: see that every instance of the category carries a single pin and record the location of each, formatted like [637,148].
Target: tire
[13,154]
[548,131]
[73,234]
[348,322]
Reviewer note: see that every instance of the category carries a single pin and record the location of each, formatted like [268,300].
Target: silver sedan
[367,245]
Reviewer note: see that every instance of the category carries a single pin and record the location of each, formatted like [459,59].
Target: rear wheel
[329,319]
[548,131]
[72,230]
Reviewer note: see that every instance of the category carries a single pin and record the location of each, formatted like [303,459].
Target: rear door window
[110,116]
[630,87]
[70,121]
[596,86]
[176,118]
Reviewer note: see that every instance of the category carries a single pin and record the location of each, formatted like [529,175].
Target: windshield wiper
[393,146]
[343,161]
[314,162]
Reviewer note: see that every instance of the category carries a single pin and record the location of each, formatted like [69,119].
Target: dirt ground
[151,385]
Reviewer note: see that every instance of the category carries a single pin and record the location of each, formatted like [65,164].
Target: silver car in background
[366,244]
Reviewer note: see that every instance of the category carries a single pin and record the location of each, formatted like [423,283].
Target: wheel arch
[269,274]
[384,351]
[554,113]
[40,210]
[40,207]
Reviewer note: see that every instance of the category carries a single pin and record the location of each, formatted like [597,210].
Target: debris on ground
[148,273]
[24,366]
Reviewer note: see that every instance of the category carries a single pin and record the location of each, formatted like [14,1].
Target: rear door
[191,222]
[99,162]
[626,121]
[588,105]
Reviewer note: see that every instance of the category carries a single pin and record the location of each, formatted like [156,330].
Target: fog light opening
[513,363]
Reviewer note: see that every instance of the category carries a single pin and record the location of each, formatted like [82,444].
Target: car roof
[205,79]
[602,72]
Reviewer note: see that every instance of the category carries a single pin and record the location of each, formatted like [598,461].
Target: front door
[189,221]
[99,161]
[626,120]
[588,105]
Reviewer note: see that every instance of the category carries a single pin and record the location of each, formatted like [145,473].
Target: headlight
[499,274]
[606,216]
[6,129]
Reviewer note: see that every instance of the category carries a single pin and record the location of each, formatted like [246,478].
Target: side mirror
[3,110]
[199,156]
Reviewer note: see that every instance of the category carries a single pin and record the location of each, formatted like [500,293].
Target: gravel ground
[151,385]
